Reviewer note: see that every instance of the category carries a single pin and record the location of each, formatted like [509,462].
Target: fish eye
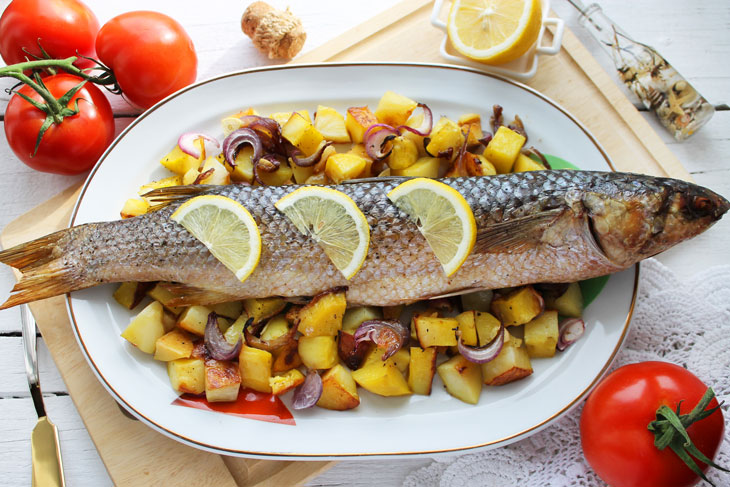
[701,206]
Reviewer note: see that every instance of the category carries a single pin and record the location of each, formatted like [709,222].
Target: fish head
[631,221]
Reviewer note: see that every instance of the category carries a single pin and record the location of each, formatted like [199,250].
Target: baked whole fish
[543,226]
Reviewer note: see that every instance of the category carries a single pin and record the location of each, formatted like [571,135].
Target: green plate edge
[590,288]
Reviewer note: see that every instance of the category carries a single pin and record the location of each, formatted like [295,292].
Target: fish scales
[543,226]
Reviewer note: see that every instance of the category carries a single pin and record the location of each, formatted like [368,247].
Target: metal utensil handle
[31,358]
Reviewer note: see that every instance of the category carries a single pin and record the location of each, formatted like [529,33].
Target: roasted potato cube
[130,294]
[218,174]
[341,167]
[463,379]
[394,109]
[487,327]
[471,127]
[359,150]
[161,294]
[231,309]
[399,359]
[404,153]
[503,149]
[134,207]
[173,345]
[478,165]
[302,134]
[281,117]
[422,368]
[415,121]
[255,368]
[435,332]
[194,319]
[570,303]
[323,315]
[286,381]
[354,317]
[191,176]
[222,381]
[286,359]
[331,124]
[276,327]
[179,162]
[478,301]
[187,375]
[468,328]
[243,171]
[339,390]
[261,308]
[145,328]
[424,167]
[446,139]
[382,378]
[357,121]
[541,334]
[524,163]
[518,307]
[280,177]
[318,352]
[512,363]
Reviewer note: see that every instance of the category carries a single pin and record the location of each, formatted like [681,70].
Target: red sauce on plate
[250,404]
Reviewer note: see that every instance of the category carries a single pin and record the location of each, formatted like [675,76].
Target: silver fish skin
[542,226]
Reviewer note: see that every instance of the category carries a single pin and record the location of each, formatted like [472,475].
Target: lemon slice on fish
[334,221]
[443,216]
[226,228]
[494,31]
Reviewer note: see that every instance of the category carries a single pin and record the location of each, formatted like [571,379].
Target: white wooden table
[692,35]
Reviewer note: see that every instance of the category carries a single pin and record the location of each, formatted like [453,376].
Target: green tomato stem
[670,430]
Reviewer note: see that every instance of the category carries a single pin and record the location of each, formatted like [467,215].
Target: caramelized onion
[483,354]
[216,343]
[268,130]
[425,128]
[376,138]
[309,392]
[186,143]
[310,160]
[569,331]
[269,345]
[391,335]
[350,352]
[232,144]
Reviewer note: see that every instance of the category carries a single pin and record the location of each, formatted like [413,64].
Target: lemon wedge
[494,31]
[443,216]
[226,228]
[334,221]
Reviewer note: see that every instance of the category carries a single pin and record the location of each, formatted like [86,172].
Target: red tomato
[63,26]
[613,426]
[74,145]
[150,54]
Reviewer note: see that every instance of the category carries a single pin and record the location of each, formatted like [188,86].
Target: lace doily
[687,323]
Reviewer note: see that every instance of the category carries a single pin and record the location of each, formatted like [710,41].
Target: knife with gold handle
[45,449]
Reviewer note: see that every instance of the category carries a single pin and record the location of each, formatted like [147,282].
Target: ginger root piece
[276,33]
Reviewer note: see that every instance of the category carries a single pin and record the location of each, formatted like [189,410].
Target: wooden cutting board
[133,453]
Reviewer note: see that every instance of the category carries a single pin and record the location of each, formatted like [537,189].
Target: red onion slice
[425,128]
[310,160]
[350,352]
[211,145]
[485,353]
[391,335]
[376,138]
[216,343]
[309,392]
[569,331]
[232,144]
[267,129]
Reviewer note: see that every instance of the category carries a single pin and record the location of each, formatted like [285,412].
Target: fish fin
[44,281]
[186,295]
[44,274]
[163,197]
[457,292]
[515,234]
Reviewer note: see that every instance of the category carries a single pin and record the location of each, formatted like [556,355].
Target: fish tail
[44,274]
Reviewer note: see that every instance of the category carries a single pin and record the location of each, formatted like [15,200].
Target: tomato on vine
[648,424]
[63,27]
[66,137]
[150,54]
